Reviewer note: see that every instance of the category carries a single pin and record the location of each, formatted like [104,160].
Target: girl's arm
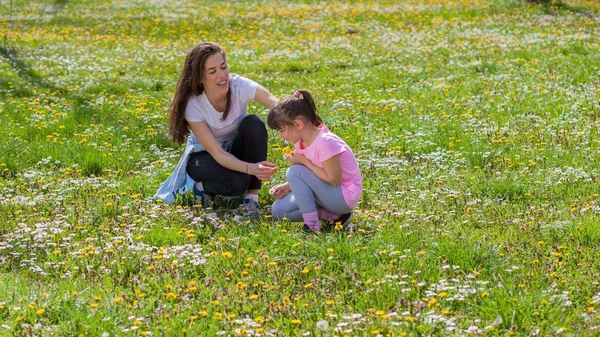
[281,190]
[263,170]
[264,97]
[331,172]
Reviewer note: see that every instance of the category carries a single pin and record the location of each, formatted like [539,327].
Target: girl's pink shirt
[326,145]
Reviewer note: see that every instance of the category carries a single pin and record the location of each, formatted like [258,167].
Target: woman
[227,149]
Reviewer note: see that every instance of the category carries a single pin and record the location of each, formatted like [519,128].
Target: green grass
[475,124]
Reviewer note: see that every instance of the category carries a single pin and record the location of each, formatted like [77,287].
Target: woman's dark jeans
[250,145]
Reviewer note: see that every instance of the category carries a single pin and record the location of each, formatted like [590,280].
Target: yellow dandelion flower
[40,311]
[227,255]
[296,321]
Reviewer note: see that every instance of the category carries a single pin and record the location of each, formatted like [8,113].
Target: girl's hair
[289,108]
[190,83]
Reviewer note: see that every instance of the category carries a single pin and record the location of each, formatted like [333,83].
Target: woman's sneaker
[251,207]
[202,198]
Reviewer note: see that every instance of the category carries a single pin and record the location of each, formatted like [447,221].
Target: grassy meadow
[476,125]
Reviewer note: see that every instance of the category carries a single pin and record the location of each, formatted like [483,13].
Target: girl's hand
[297,158]
[280,191]
[263,170]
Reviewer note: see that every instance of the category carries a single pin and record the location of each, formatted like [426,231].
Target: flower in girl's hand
[287,152]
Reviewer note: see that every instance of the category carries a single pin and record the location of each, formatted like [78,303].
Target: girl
[324,179]
[227,149]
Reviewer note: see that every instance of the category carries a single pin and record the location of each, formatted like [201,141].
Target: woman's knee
[239,183]
[231,184]
[254,126]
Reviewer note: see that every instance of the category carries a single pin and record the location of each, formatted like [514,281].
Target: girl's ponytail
[314,118]
[289,108]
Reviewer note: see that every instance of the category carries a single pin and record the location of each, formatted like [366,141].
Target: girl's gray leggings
[308,193]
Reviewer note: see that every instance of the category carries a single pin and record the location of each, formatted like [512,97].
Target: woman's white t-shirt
[199,109]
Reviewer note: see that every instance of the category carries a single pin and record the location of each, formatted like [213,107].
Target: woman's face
[216,74]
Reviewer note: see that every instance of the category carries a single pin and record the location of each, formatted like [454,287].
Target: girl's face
[291,133]
[216,74]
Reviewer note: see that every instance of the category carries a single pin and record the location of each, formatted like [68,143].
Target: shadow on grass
[28,75]
[550,7]
[28,83]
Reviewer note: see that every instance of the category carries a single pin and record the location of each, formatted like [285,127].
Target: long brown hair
[190,83]
[289,108]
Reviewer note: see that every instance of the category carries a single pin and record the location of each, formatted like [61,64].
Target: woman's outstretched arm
[264,97]
[263,170]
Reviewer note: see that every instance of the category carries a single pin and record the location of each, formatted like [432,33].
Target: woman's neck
[218,101]
[308,135]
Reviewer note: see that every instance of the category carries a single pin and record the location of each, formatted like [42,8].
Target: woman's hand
[280,191]
[263,170]
[297,158]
